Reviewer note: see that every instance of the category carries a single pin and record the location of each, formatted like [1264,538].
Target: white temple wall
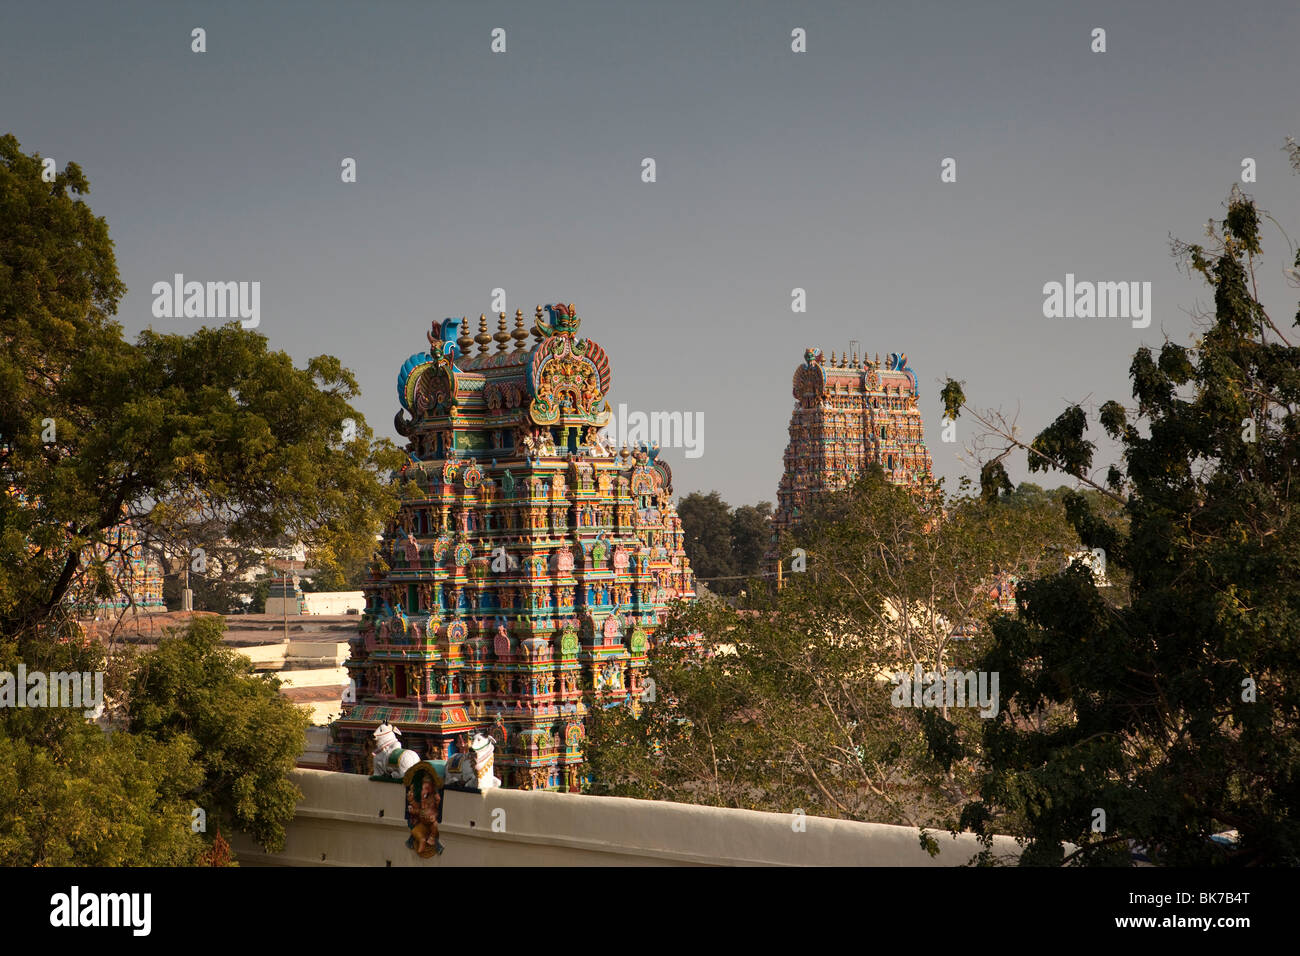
[350,820]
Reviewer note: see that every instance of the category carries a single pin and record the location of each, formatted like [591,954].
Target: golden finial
[483,339]
[520,334]
[832,358]
[538,334]
[502,337]
[464,341]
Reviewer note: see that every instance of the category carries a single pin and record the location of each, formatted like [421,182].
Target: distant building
[333,602]
[533,558]
[850,415]
[284,596]
[136,575]
[1003,591]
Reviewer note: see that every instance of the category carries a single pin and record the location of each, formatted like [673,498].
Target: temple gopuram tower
[533,558]
[137,574]
[849,416]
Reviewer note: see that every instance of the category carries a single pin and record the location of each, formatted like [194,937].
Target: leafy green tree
[168,431]
[341,571]
[786,702]
[915,574]
[246,736]
[694,737]
[706,527]
[97,800]
[72,795]
[174,433]
[725,546]
[261,591]
[751,536]
[1176,708]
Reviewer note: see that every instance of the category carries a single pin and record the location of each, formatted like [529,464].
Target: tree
[99,800]
[751,536]
[345,570]
[693,738]
[172,433]
[215,569]
[915,574]
[246,736]
[787,702]
[1175,707]
[706,534]
[724,546]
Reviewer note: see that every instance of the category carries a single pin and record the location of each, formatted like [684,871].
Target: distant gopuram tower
[533,558]
[850,415]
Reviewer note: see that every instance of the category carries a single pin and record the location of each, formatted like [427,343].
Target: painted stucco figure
[391,759]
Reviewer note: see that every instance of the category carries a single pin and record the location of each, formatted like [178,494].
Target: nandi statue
[473,767]
[392,760]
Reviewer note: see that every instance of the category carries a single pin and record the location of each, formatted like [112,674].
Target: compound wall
[350,820]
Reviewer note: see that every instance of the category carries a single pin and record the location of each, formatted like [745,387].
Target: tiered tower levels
[529,558]
[850,415]
[137,575]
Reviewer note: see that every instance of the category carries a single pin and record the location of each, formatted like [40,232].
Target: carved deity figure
[424,811]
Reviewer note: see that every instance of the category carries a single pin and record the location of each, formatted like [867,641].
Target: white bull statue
[392,760]
[473,768]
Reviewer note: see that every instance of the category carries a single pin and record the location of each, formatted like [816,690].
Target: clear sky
[775,170]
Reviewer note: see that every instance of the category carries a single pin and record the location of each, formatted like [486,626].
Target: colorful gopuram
[850,415]
[137,576]
[529,558]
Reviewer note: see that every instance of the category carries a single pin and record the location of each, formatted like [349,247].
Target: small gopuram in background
[529,557]
[850,415]
[136,574]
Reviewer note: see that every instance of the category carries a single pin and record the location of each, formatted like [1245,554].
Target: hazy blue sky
[776,170]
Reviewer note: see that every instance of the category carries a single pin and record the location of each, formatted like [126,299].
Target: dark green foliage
[787,702]
[1175,709]
[195,436]
[706,527]
[725,547]
[246,736]
[202,437]
[953,398]
[72,795]
[994,481]
[751,536]
[97,800]
[1063,442]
